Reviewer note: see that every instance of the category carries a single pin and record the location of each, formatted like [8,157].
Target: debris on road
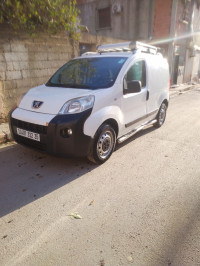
[91,203]
[102,263]
[130,259]
[75,215]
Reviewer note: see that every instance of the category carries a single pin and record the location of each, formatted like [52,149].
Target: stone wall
[27,61]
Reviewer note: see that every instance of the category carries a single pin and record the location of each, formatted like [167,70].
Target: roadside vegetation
[34,16]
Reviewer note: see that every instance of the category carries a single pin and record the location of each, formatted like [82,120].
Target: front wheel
[103,145]
[161,115]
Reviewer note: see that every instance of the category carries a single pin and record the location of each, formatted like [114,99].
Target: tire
[103,144]
[161,115]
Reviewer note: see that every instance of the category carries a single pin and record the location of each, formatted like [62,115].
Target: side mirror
[133,86]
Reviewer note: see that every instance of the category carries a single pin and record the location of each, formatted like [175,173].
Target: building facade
[170,24]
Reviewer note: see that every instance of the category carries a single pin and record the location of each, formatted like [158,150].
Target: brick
[17,66]
[37,56]
[16,56]
[39,64]
[26,74]
[18,47]
[59,48]
[21,65]
[64,56]
[10,57]
[52,56]
[23,83]
[7,47]
[1,86]
[9,85]
[8,94]
[36,47]
[2,58]
[41,72]
[9,66]
[3,75]
[2,67]
[10,75]
[34,73]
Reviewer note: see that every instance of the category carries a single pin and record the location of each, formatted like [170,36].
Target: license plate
[28,134]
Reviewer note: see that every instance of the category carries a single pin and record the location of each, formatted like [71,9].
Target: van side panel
[157,82]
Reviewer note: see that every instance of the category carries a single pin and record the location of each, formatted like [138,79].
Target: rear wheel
[161,115]
[103,145]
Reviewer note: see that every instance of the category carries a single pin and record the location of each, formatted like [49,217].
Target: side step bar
[133,132]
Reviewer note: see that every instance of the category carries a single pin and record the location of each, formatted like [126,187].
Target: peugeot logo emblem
[36,104]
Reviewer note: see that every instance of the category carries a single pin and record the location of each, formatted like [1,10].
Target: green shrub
[41,15]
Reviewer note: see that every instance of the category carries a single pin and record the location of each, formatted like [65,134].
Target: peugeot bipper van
[94,101]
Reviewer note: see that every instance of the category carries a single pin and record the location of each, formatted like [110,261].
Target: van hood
[52,98]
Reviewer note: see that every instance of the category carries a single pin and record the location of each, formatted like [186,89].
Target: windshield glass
[88,73]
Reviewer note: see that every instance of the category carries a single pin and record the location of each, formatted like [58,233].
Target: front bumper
[52,137]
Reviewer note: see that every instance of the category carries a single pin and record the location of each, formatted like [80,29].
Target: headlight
[77,105]
[20,98]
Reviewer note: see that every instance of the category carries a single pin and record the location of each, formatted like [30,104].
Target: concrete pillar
[172,36]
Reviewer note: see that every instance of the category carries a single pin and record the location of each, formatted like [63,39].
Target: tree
[41,15]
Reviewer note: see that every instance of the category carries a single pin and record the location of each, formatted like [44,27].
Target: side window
[136,72]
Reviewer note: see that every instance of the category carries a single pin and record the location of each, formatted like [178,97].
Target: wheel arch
[112,122]
[166,102]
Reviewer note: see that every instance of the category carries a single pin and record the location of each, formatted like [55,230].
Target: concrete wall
[26,62]
[132,23]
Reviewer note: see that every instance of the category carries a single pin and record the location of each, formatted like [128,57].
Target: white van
[94,101]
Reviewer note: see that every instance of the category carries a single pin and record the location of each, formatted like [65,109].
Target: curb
[3,138]
[179,90]
[5,135]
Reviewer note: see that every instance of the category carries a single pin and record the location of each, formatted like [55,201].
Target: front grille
[42,130]
[29,126]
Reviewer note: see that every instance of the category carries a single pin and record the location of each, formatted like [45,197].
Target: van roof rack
[89,53]
[127,47]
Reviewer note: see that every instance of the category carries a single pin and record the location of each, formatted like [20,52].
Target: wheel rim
[162,114]
[105,144]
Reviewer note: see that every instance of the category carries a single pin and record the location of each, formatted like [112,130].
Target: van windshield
[88,73]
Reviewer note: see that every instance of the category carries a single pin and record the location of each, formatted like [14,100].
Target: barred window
[104,18]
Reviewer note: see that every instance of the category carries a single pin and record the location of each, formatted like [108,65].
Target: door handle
[147,98]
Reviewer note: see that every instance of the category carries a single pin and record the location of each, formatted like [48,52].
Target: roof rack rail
[89,53]
[128,46]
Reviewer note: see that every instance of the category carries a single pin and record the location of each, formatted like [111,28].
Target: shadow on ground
[26,175]
[137,135]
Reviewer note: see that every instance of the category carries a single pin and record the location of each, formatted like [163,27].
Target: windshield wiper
[68,85]
[79,86]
